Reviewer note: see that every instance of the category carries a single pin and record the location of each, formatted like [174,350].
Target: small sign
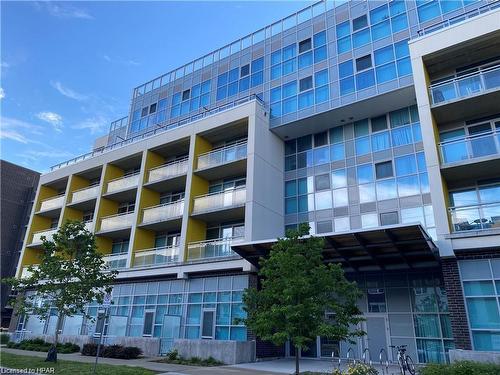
[107,300]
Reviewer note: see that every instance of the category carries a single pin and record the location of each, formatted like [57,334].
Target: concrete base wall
[472,355]
[229,352]
[150,346]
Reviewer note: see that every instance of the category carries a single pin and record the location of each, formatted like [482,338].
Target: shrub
[112,351]
[358,369]
[4,338]
[461,368]
[39,345]
[173,355]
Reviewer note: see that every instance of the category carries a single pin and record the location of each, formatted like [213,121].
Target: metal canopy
[389,248]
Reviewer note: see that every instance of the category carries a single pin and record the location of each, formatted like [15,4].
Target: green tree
[68,277]
[297,289]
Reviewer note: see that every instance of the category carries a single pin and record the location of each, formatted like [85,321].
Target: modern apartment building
[18,187]
[376,122]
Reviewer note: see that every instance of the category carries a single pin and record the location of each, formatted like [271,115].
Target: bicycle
[404,360]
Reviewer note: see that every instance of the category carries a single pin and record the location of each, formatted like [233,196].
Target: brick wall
[456,304]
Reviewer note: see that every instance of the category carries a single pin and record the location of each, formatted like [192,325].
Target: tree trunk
[297,353]
[52,353]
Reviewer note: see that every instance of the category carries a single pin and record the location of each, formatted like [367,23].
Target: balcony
[228,204]
[84,199]
[475,217]
[25,272]
[123,187]
[51,206]
[89,225]
[220,248]
[223,161]
[157,256]
[116,261]
[36,241]
[117,225]
[156,217]
[171,176]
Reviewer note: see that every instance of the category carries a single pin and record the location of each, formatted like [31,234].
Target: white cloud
[69,93]
[2,93]
[52,153]
[64,10]
[52,118]
[19,131]
[96,124]
[119,60]
[4,65]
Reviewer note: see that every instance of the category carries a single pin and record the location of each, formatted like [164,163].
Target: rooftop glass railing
[173,169]
[475,217]
[219,248]
[459,18]
[471,147]
[228,154]
[163,212]
[220,200]
[156,256]
[480,82]
[52,203]
[122,183]
[84,194]
[158,130]
[47,233]
[116,261]
[119,221]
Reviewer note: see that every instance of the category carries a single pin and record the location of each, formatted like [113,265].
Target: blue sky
[68,68]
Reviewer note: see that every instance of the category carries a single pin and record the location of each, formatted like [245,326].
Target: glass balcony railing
[470,147]
[476,217]
[119,221]
[221,200]
[156,256]
[223,155]
[212,249]
[89,225]
[116,261]
[163,212]
[25,272]
[471,84]
[85,194]
[123,183]
[37,236]
[52,203]
[176,168]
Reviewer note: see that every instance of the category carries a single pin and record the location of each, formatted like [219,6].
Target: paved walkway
[273,367]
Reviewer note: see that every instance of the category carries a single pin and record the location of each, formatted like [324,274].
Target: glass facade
[481,285]
[357,175]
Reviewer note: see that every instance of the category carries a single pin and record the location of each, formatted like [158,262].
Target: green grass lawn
[68,367]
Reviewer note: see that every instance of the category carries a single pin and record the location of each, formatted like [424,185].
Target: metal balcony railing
[459,18]
[118,221]
[37,236]
[219,248]
[85,194]
[156,256]
[223,155]
[475,217]
[470,84]
[174,169]
[220,200]
[122,183]
[52,203]
[470,147]
[116,261]
[163,212]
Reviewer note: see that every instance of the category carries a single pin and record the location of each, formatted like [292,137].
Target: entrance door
[208,324]
[169,331]
[376,335]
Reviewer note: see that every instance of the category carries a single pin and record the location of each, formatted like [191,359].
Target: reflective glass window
[344,44]
[386,72]
[339,178]
[305,83]
[346,86]
[365,79]
[306,99]
[386,189]
[383,170]
[381,141]
[408,186]
[379,14]
[319,39]
[366,193]
[399,23]
[365,173]
[346,69]
[319,54]
[429,11]
[381,30]
[361,38]
[305,60]
[343,29]
[305,45]
[289,52]
[383,55]
[360,22]
[289,105]
[337,152]
[289,89]
[362,146]
[321,77]
[321,94]
[405,165]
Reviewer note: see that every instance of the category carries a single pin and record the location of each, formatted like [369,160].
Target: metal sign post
[102,313]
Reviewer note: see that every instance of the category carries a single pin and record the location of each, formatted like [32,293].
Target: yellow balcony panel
[219,163]
[84,199]
[116,261]
[51,207]
[116,226]
[166,216]
[36,240]
[165,255]
[122,188]
[213,249]
[225,205]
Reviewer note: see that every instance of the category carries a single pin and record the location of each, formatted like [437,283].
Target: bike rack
[348,355]
[366,350]
[333,359]
[382,351]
